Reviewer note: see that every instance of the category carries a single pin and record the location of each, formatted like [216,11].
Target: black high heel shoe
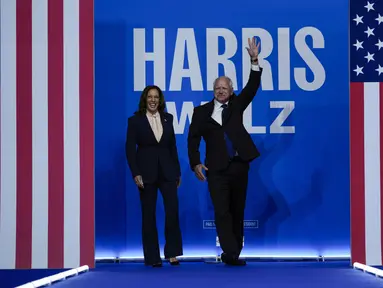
[174,263]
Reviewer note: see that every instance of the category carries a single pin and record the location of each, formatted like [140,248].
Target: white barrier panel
[54,278]
[377,272]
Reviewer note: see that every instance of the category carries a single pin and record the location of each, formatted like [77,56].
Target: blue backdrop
[298,195]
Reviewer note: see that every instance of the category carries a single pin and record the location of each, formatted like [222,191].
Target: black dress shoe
[238,262]
[157,265]
[232,260]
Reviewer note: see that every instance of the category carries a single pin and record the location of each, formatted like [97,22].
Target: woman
[153,161]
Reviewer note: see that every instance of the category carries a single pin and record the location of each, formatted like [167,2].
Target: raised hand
[253,48]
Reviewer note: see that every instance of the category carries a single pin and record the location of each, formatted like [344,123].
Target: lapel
[164,122]
[209,112]
[229,108]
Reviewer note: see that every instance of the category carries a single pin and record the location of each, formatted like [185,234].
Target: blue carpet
[13,278]
[200,275]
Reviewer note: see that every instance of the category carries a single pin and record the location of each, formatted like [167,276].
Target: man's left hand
[178,182]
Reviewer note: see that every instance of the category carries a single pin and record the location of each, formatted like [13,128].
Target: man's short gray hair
[227,79]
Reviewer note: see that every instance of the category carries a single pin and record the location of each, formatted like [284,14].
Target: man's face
[222,90]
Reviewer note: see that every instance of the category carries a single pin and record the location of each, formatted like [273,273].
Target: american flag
[46,134]
[366,130]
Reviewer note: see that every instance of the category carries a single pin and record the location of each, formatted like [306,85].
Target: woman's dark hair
[143,100]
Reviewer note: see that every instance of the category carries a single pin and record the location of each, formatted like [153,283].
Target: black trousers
[148,196]
[228,189]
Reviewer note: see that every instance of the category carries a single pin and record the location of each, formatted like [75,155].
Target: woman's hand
[139,182]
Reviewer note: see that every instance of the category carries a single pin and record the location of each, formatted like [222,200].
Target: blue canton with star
[366,40]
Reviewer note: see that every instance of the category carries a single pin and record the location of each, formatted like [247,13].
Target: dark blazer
[202,125]
[145,155]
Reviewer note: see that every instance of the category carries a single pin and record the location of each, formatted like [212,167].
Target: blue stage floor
[199,275]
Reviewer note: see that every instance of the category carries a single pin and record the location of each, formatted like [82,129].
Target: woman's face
[152,101]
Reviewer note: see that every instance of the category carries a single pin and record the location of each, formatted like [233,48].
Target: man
[229,150]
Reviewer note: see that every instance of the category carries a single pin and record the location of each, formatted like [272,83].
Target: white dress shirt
[155,123]
[217,112]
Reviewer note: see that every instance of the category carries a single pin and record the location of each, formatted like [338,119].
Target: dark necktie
[229,144]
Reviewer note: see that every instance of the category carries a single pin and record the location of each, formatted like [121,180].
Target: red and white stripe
[366,142]
[47,134]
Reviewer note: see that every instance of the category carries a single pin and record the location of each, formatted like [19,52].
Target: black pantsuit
[148,196]
[158,164]
[227,176]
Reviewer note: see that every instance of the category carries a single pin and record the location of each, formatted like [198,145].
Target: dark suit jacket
[202,125]
[145,155]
